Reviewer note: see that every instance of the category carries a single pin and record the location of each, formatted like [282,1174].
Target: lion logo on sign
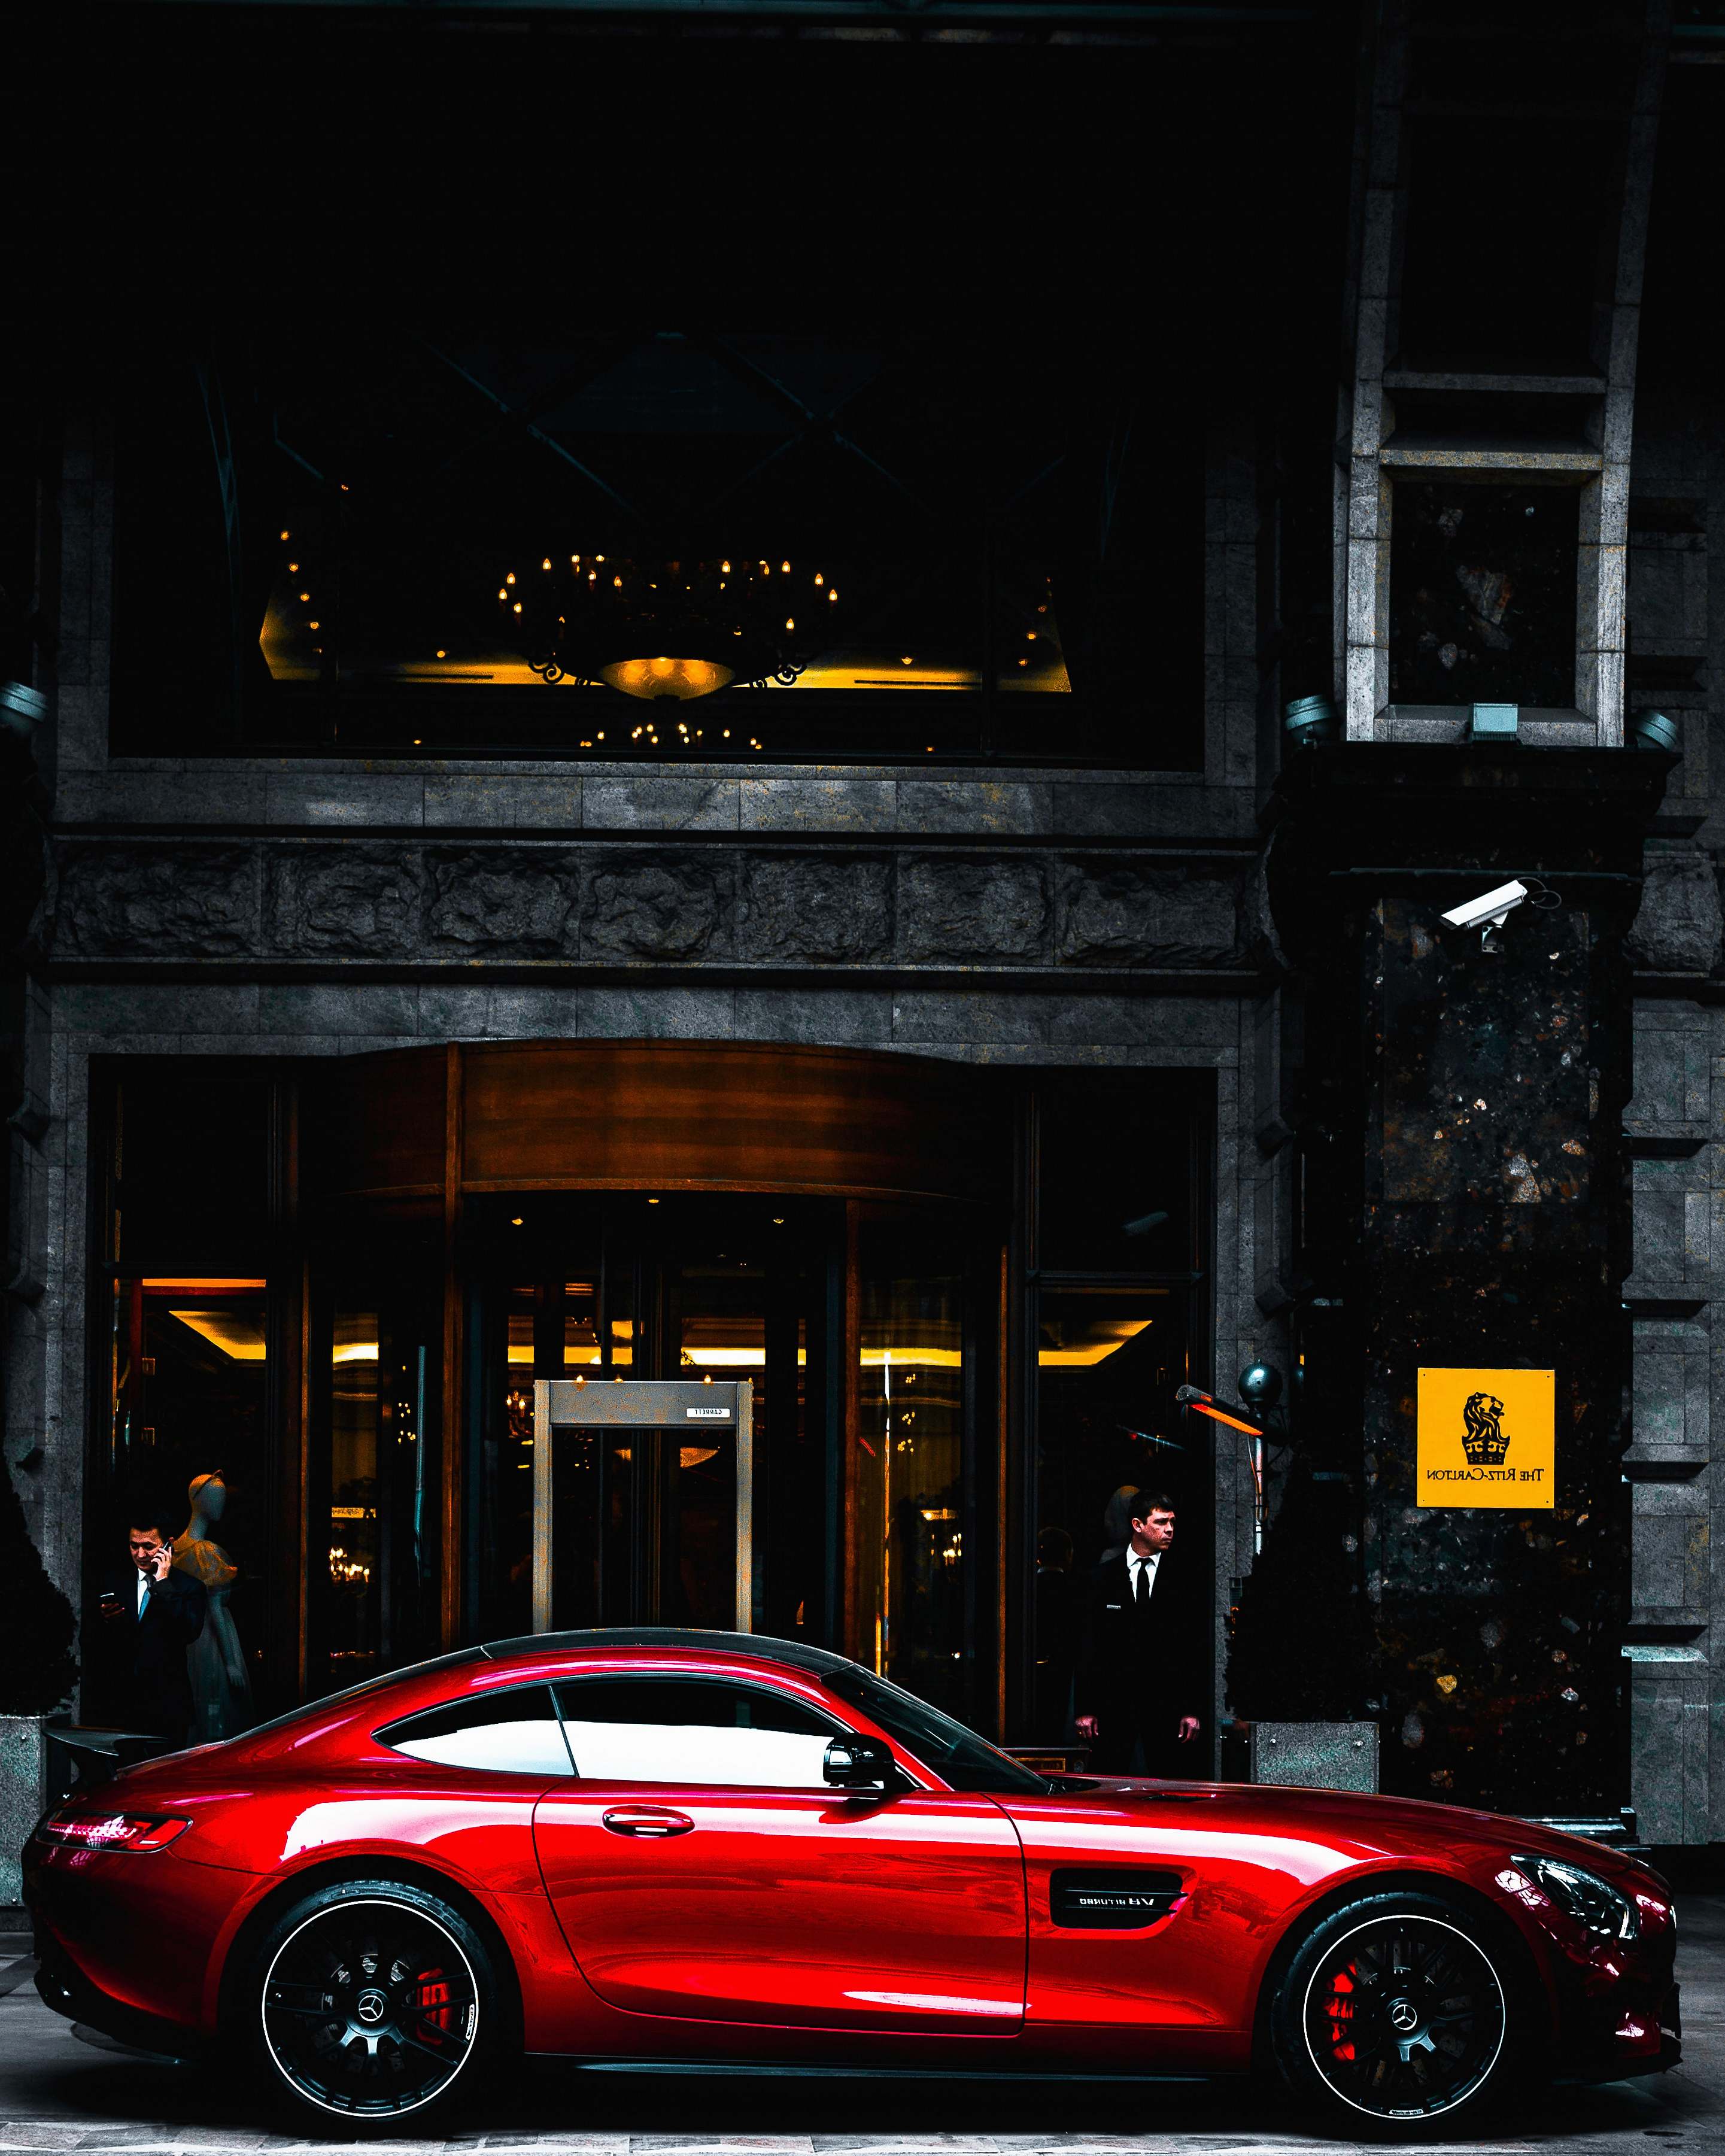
[1484,1443]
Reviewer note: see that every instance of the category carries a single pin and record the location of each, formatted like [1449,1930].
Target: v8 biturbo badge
[1486,1437]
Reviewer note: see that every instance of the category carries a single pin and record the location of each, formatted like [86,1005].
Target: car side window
[694,1731]
[515,1731]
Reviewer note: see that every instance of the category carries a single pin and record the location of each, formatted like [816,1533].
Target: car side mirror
[863,1765]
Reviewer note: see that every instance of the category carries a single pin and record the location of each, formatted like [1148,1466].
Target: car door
[700,1867]
[1150,1909]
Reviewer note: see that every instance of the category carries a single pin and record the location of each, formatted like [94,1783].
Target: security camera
[1490,910]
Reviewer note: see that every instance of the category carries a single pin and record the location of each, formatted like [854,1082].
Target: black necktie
[1141,1592]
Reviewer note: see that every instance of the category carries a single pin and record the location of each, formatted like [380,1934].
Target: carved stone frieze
[660,904]
[508,904]
[972,911]
[831,908]
[1126,914]
[668,902]
[157,901]
[364,901]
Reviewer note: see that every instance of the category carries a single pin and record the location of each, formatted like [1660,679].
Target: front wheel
[371,1998]
[1398,2012]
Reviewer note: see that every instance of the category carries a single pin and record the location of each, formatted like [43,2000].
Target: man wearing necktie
[1137,1682]
[159,1612]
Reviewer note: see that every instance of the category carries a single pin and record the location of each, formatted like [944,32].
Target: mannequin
[221,1690]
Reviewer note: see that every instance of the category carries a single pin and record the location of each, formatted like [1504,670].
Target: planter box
[23,1782]
[1316,1755]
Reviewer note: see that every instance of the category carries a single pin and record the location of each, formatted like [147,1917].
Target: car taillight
[128,1830]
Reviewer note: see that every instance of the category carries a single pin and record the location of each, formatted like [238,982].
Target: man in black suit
[1137,1679]
[162,1612]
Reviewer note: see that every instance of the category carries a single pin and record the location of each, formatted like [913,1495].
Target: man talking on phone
[161,1611]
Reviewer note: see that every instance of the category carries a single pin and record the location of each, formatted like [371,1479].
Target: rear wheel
[1398,2011]
[370,1999]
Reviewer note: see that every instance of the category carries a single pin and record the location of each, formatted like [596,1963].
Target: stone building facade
[1030,915]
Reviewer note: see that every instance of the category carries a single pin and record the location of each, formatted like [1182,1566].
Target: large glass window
[1117,1261]
[444,543]
[912,1501]
[1107,1364]
[380,1592]
[186,1318]
[645,1523]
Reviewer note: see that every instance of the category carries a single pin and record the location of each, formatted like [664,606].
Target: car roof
[793,1654]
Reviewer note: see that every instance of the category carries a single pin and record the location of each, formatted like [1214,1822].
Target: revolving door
[643,1504]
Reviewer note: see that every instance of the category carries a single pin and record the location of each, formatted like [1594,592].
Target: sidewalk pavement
[58,2093]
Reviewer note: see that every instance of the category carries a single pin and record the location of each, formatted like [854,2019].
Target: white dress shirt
[1134,1565]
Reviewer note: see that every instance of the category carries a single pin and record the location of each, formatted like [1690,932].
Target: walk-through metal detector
[645,1434]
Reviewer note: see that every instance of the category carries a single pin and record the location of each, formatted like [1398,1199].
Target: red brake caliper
[1339,2006]
[433,2001]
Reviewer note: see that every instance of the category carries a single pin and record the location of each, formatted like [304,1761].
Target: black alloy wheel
[1396,2012]
[371,1998]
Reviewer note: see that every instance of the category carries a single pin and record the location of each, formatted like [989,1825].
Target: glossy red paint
[907,1916]
[803,1924]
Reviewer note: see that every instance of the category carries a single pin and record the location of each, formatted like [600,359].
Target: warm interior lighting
[680,678]
[238,1334]
[180,1285]
[1113,1337]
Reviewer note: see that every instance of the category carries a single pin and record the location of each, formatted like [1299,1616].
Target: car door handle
[648,1822]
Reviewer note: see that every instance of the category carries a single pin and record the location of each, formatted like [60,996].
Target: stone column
[1467,1207]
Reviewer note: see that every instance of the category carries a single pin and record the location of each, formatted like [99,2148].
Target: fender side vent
[1086,1901]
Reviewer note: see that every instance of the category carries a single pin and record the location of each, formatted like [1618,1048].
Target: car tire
[1400,2013]
[371,2001]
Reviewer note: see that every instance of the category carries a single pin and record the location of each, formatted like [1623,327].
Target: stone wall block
[659,905]
[503,904]
[825,907]
[356,899]
[1677,929]
[970,911]
[1126,915]
[157,901]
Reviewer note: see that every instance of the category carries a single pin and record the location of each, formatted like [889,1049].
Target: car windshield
[963,1759]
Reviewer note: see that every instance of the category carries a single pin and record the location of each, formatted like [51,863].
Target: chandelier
[675,629]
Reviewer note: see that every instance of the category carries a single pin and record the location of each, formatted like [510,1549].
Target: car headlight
[1591,1900]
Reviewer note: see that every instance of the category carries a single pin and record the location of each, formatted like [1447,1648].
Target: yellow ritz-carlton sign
[1486,1437]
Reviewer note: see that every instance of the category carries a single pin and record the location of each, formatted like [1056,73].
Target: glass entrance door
[643,1504]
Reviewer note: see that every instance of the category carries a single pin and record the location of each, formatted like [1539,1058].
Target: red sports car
[652,1846]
